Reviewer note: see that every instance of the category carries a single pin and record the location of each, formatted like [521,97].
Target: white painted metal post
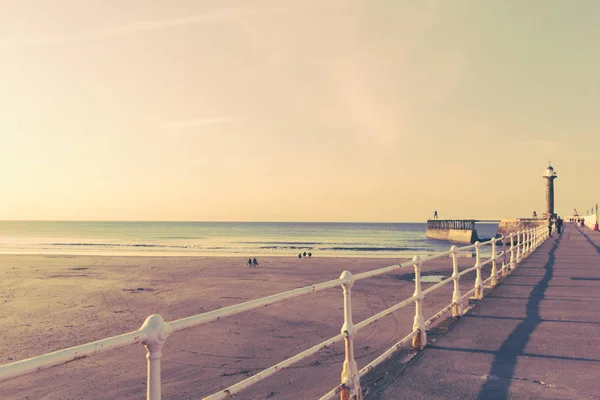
[504,257]
[457,303]
[527,247]
[519,253]
[158,331]
[420,340]
[478,281]
[494,273]
[512,251]
[350,378]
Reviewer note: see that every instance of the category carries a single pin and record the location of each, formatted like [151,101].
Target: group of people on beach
[253,263]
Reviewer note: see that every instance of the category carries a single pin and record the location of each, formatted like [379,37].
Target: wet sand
[48,303]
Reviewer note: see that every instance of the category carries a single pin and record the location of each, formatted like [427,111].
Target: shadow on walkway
[589,240]
[505,360]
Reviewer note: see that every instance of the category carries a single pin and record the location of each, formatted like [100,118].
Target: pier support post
[457,303]
[504,258]
[158,331]
[519,252]
[524,244]
[494,273]
[420,340]
[350,379]
[512,251]
[478,281]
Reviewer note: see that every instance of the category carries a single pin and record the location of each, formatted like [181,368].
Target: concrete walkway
[535,336]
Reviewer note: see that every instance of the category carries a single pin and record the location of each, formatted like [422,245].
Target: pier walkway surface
[535,336]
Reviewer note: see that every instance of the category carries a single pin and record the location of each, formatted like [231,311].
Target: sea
[244,239]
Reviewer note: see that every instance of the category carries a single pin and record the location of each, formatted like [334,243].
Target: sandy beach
[53,302]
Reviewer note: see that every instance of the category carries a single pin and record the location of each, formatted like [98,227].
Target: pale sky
[281,110]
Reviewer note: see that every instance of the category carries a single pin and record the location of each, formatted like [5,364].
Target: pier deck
[534,337]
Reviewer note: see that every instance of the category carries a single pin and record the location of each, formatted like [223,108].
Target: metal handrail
[155,331]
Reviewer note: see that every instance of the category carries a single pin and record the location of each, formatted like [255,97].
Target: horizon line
[247,221]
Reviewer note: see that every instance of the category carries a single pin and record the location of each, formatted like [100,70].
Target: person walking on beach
[249,263]
[254,262]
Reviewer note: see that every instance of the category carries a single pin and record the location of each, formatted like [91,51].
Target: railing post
[158,331]
[504,257]
[494,273]
[518,247]
[350,379]
[457,304]
[478,281]
[420,340]
[512,251]
[526,244]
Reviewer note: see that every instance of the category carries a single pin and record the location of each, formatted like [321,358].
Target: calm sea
[247,239]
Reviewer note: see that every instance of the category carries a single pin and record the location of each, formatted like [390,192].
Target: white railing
[155,331]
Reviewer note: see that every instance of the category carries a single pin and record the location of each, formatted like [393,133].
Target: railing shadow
[505,359]
[589,240]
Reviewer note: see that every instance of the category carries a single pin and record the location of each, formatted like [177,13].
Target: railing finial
[157,331]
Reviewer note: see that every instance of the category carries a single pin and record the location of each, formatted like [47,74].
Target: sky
[280,110]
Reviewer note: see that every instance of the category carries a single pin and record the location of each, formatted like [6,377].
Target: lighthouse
[550,176]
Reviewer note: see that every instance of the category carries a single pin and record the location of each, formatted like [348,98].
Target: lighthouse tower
[550,176]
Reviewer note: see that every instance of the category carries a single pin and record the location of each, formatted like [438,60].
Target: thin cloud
[135,27]
[200,122]
[545,147]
